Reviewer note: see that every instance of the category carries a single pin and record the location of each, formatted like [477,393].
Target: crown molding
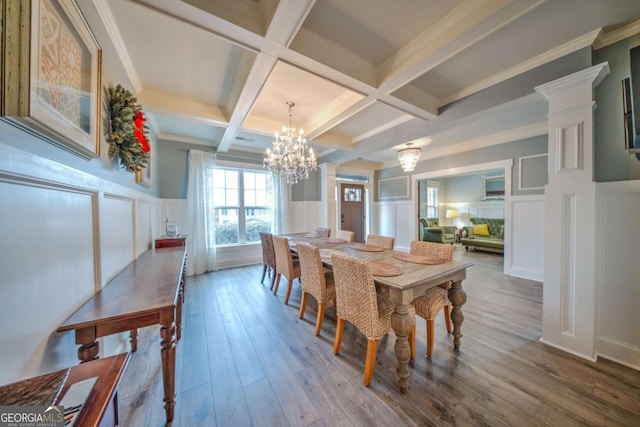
[116,39]
[608,37]
[550,55]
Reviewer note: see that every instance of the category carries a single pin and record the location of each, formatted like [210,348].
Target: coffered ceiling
[367,76]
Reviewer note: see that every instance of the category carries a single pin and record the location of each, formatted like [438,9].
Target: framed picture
[57,62]
[144,177]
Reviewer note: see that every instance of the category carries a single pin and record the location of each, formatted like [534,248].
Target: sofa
[489,238]
[432,232]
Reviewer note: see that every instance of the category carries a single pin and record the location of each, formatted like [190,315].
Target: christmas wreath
[127,133]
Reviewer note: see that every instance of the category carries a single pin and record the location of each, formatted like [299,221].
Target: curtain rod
[226,155]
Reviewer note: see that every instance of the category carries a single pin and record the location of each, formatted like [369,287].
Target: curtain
[281,205]
[201,240]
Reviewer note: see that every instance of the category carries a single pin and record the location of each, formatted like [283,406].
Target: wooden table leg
[168,354]
[89,346]
[402,323]
[458,297]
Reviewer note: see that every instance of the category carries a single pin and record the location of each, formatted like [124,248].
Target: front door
[352,209]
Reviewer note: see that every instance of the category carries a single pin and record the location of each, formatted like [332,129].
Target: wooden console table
[150,291]
[101,406]
[169,242]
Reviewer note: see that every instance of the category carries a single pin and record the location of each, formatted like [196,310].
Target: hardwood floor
[246,359]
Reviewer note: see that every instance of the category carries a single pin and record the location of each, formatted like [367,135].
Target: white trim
[568,350]
[102,7]
[606,38]
[520,187]
[388,125]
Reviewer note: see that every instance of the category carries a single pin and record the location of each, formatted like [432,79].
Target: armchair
[432,232]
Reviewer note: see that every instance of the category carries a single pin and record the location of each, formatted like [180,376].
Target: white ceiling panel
[171,127]
[378,114]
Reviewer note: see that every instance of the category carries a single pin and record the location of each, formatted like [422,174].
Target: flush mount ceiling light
[289,156]
[408,157]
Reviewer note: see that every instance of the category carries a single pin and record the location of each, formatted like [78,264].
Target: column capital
[569,91]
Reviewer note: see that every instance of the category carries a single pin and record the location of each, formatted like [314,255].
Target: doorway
[352,209]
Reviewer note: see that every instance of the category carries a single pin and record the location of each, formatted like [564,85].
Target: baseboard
[566,350]
[525,273]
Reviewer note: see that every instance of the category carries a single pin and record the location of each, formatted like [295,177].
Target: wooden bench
[150,291]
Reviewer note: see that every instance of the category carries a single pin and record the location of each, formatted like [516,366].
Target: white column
[569,314]
[328,172]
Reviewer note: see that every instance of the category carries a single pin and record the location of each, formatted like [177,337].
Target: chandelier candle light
[408,158]
[289,157]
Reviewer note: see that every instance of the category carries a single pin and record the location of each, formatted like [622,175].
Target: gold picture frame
[145,177]
[51,74]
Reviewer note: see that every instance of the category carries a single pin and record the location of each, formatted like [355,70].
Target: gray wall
[513,150]
[465,188]
[611,161]
[308,190]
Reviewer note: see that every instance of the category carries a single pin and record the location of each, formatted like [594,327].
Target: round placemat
[332,240]
[326,253]
[366,248]
[419,259]
[382,269]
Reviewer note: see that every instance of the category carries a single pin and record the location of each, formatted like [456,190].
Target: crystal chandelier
[289,157]
[408,158]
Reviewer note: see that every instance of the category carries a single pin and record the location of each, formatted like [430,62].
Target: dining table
[401,277]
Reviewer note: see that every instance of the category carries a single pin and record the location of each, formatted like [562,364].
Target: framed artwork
[144,176]
[57,62]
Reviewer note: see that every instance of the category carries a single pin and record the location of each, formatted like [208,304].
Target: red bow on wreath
[138,123]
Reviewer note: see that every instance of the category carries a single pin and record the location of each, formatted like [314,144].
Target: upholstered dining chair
[349,236]
[433,300]
[323,232]
[358,303]
[268,257]
[316,281]
[285,265]
[382,241]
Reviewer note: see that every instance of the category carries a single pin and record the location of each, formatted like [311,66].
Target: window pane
[249,197]
[226,223]
[218,178]
[257,221]
[261,198]
[261,181]
[218,197]
[232,197]
[249,180]
[232,179]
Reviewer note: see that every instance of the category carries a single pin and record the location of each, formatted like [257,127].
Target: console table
[149,291]
[169,242]
[101,406]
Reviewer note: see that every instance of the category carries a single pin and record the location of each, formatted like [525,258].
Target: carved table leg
[458,297]
[179,315]
[402,323]
[89,347]
[133,339]
[168,354]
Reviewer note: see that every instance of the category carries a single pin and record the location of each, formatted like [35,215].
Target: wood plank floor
[246,359]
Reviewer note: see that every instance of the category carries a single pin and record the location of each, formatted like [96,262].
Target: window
[243,203]
[432,199]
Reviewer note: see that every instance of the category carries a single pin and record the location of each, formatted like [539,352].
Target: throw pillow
[481,229]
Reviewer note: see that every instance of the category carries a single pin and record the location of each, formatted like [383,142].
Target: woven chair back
[382,241]
[437,250]
[356,299]
[349,236]
[323,232]
[268,252]
[284,260]
[312,271]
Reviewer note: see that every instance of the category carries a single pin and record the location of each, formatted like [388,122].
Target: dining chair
[285,265]
[323,232]
[268,257]
[349,236]
[358,303]
[382,241]
[316,281]
[434,299]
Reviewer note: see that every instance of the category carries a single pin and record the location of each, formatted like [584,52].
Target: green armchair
[432,232]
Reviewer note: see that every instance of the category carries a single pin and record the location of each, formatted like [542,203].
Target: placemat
[326,253]
[419,259]
[332,240]
[366,248]
[311,235]
[382,269]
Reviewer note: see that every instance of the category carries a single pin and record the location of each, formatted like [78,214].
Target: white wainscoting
[66,234]
[395,219]
[527,238]
[305,216]
[618,281]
